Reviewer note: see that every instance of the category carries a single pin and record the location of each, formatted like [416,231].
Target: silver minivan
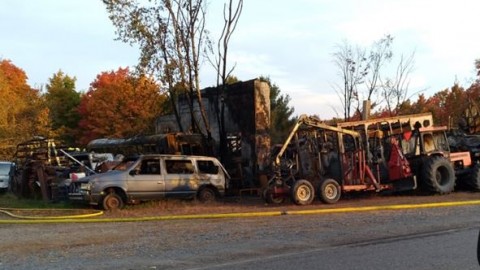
[5,175]
[151,177]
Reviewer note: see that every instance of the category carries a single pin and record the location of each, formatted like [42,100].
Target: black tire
[330,191]
[112,201]
[472,181]
[303,192]
[438,175]
[270,198]
[478,248]
[206,195]
[14,187]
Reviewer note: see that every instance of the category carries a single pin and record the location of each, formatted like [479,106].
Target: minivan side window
[207,166]
[150,166]
[179,166]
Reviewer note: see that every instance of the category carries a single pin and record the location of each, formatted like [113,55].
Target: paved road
[436,238]
[450,249]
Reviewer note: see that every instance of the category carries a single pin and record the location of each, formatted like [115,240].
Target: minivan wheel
[112,201]
[206,194]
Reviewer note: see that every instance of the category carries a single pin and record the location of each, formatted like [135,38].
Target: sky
[291,42]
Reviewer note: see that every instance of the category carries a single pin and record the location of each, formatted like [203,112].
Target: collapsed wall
[246,107]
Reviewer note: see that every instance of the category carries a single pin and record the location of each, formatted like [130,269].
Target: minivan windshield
[5,168]
[124,165]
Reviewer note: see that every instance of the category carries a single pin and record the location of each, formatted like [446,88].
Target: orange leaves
[23,112]
[13,75]
[119,104]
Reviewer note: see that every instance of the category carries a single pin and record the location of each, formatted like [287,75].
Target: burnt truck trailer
[329,160]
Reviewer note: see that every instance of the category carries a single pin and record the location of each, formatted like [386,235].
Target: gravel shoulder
[248,204]
[237,204]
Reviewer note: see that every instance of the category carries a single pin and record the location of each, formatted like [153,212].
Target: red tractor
[427,149]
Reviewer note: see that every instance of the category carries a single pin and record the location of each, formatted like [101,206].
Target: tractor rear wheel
[438,175]
[472,181]
[330,191]
[303,192]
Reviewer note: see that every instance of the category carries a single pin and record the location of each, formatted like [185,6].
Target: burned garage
[238,118]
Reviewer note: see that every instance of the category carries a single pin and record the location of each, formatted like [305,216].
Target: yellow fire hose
[86,218]
[8,212]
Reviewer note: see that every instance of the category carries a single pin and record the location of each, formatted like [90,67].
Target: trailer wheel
[112,201]
[303,192]
[438,176]
[330,191]
[271,198]
[472,181]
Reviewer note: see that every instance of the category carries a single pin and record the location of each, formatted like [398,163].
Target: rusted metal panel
[394,122]
[262,124]
[171,143]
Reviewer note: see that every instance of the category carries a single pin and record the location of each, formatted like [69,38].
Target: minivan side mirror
[133,172]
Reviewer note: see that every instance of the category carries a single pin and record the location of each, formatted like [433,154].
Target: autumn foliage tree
[23,113]
[447,106]
[472,103]
[119,104]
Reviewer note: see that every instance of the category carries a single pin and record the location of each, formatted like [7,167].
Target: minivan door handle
[160,182]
